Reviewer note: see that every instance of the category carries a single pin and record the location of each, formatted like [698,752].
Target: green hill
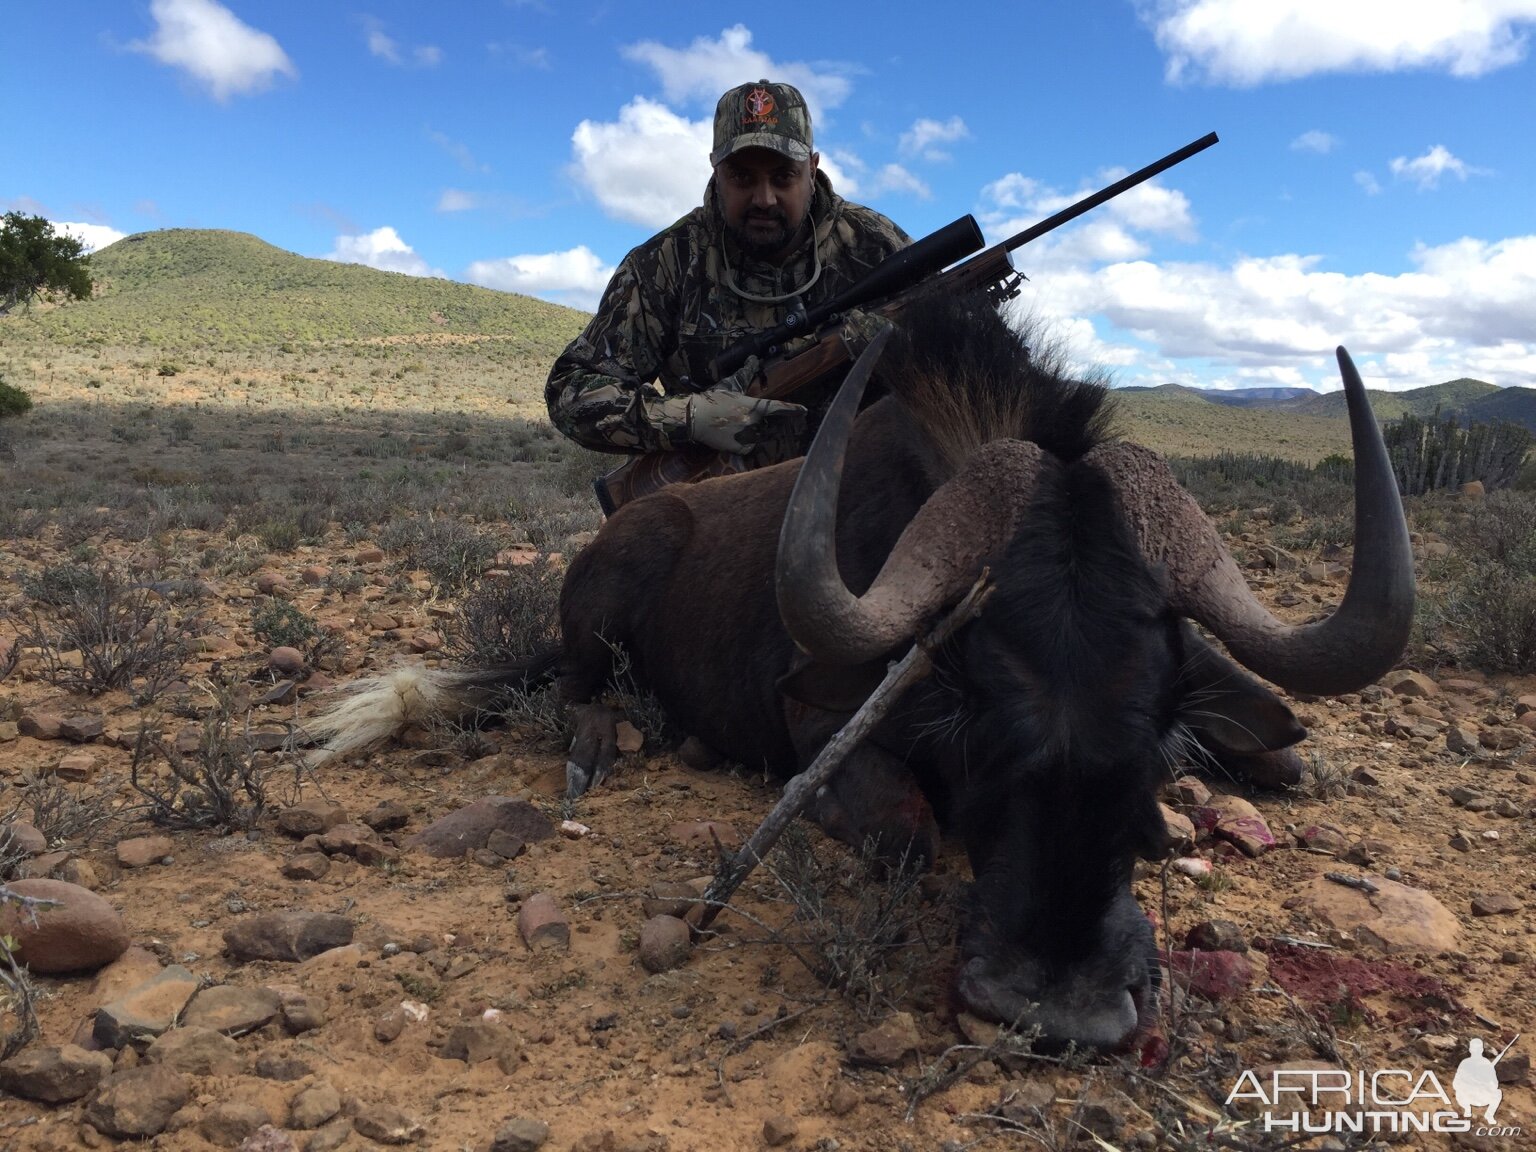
[1453,395]
[203,288]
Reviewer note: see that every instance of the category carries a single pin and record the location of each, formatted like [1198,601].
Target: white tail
[380,707]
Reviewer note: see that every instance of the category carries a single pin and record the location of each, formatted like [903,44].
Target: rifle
[895,285]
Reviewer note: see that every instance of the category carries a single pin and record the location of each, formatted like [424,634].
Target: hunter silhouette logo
[759,106]
[1395,1100]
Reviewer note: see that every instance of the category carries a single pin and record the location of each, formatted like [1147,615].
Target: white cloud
[93,236]
[1314,141]
[926,136]
[1248,42]
[700,72]
[382,249]
[1426,170]
[1368,183]
[519,55]
[458,150]
[386,48]
[649,168]
[894,179]
[1015,201]
[210,42]
[456,200]
[575,277]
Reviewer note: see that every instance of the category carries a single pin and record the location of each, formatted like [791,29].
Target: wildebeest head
[1072,691]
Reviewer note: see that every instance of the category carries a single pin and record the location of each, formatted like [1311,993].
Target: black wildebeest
[1049,721]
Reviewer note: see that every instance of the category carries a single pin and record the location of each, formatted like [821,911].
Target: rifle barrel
[1088,203]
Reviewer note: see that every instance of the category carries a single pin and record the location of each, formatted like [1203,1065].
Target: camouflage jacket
[667,313]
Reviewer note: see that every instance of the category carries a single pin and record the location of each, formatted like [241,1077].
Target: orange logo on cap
[759,107]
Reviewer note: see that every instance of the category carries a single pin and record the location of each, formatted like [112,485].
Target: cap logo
[759,108]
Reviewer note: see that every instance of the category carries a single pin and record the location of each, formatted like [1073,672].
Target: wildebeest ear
[1227,708]
[832,687]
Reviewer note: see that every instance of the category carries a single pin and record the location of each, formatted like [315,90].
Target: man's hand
[727,421]
[859,329]
[741,379]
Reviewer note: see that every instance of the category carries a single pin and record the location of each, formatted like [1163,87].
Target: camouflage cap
[762,115]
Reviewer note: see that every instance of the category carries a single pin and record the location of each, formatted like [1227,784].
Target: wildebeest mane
[970,378]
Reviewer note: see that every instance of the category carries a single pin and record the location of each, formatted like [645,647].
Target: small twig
[1298,942]
[912,667]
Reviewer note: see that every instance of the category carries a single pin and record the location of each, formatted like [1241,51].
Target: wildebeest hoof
[577,780]
[593,750]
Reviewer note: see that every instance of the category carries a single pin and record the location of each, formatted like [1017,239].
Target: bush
[1484,607]
[283,625]
[510,617]
[452,554]
[13,400]
[221,785]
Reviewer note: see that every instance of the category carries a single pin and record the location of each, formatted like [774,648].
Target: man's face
[764,197]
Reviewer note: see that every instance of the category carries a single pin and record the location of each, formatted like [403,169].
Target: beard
[762,235]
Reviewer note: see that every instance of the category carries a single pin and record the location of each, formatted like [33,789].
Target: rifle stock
[990,270]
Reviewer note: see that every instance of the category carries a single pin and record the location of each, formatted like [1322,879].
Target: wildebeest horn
[1359,642]
[939,552]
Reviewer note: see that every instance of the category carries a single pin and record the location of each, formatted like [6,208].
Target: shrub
[13,400]
[221,785]
[509,617]
[283,625]
[452,554]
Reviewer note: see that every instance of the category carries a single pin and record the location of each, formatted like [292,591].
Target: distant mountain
[188,288]
[1257,397]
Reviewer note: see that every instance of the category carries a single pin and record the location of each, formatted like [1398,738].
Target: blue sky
[1375,185]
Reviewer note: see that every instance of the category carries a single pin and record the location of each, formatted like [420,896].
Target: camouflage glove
[741,379]
[860,328]
[727,421]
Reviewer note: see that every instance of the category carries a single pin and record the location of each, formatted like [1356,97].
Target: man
[771,235]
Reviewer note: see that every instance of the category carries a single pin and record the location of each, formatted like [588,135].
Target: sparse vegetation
[1439,453]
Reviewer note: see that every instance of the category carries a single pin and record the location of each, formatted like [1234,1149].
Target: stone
[388,1025]
[18,838]
[314,1106]
[1324,837]
[1395,919]
[1190,791]
[664,943]
[229,1123]
[388,1125]
[670,898]
[1461,739]
[1473,490]
[344,839]
[79,933]
[520,1135]
[698,755]
[541,923]
[281,1066]
[387,816]
[270,1139]
[77,766]
[1216,936]
[291,935]
[330,1137]
[82,728]
[779,1129]
[1494,904]
[39,725]
[476,1041]
[142,851]
[299,1011]
[124,974]
[310,817]
[470,827]
[1366,852]
[138,1102]
[286,661]
[506,845]
[887,1044]
[145,1012]
[1181,829]
[307,866]
[1238,822]
[629,739]
[1414,684]
[232,1010]
[1503,738]
[54,1075]
[195,1051]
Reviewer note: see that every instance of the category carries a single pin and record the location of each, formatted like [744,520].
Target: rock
[541,923]
[1414,684]
[887,1044]
[520,1135]
[77,766]
[196,1051]
[332,1136]
[1181,830]
[310,818]
[292,935]
[145,1012]
[843,1098]
[1322,836]
[388,1125]
[229,1123]
[139,1102]
[470,827]
[18,838]
[779,1129]
[281,1067]
[1216,936]
[1190,791]
[39,725]
[476,1041]
[1366,852]
[1238,822]
[314,1106]
[506,845]
[369,556]
[270,1139]
[232,1010]
[1393,919]
[664,943]
[286,661]
[81,933]
[1494,904]
[629,738]
[54,1075]
[386,816]
[1503,738]
[1194,867]
[142,851]
[82,728]
[307,866]
[1215,976]
[1461,739]
[424,641]
[345,839]
[299,1011]
[388,1025]
[124,974]
[670,898]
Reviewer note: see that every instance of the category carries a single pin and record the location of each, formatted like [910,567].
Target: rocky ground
[421,946]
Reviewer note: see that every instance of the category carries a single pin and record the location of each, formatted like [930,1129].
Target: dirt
[743,1043]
